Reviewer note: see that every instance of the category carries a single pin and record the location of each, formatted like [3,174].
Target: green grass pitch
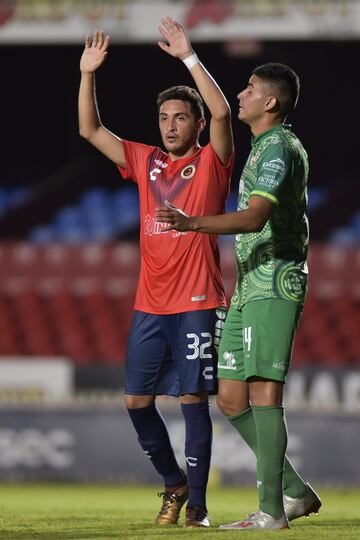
[63,511]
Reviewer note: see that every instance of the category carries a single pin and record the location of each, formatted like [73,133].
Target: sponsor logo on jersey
[276,164]
[153,227]
[188,172]
[268,180]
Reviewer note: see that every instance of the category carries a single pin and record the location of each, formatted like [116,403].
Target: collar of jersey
[175,161]
[258,138]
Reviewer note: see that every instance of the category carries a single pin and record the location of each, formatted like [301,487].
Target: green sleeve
[273,168]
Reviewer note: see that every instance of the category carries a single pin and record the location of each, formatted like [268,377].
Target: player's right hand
[95,52]
[179,43]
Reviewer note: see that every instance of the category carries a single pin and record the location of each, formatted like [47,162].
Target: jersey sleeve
[274,167]
[136,155]
[217,161]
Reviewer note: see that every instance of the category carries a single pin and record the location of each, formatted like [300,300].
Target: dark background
[39,113]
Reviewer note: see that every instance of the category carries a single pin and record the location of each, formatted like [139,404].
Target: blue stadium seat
[18,195]
[232,201]
[68,216]
[95,198]
[125,209]
[355,225]
[230,206]
[71,235]
[42,234]
[344,236]
[4,200]
[316,197]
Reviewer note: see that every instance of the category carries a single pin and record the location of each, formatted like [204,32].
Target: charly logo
[188,172]
[153,174]
[276,164]
[192,461]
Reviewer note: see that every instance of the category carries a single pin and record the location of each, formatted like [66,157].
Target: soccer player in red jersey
[180,301]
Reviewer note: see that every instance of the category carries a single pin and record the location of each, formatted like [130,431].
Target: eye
[181,118]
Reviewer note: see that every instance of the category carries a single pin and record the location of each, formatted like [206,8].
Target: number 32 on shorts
[199,350]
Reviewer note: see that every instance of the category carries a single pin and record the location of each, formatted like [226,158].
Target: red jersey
[179,271]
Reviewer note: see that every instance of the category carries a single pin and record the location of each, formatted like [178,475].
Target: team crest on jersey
[188,172]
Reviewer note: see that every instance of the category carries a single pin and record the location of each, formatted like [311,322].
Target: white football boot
[302,506]
[259,520]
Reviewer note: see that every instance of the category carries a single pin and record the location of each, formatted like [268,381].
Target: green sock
[271,439]
[293,484]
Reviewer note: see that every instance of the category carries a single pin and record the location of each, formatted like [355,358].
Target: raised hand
[179,44]
[95,52]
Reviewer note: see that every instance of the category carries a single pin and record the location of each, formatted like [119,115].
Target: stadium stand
[97,214]
[67,289]
[76,301]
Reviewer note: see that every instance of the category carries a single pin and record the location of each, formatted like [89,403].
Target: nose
[171,125]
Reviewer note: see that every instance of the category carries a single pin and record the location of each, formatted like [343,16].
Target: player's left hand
[176,218]
[179,44]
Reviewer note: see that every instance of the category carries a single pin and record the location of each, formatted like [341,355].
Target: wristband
[191,61]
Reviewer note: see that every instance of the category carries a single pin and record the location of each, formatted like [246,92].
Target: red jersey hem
[197,306]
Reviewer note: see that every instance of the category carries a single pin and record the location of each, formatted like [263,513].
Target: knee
[138,402]
[225,406]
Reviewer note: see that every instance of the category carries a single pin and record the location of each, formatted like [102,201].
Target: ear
[201,124]
[272,104]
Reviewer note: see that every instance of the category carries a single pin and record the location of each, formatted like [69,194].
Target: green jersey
[272,263]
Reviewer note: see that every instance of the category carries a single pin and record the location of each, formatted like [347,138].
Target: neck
[193,148]
[257,128]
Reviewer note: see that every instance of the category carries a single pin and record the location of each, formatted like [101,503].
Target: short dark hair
[184,93]
[286,81]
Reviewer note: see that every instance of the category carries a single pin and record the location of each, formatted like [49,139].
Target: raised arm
[179,46]
[90,125]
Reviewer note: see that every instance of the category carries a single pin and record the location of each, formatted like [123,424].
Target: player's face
[252,101]
[178,126]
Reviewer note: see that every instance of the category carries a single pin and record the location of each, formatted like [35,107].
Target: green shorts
[258,340]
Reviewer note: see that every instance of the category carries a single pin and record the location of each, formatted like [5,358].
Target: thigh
[149,368]
[193,343]
[268,335]
[231,350]
[265,393]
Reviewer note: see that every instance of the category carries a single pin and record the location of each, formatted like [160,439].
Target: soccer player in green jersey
[271,228]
